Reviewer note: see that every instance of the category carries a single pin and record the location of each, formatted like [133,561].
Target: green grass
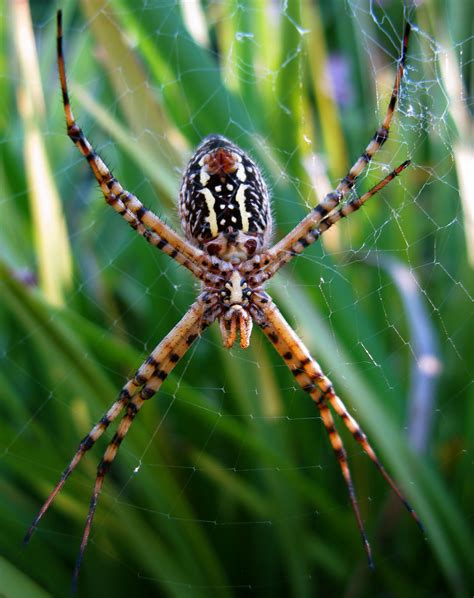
[226,483]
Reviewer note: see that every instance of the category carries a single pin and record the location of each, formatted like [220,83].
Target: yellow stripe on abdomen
[212,218]
[244,215]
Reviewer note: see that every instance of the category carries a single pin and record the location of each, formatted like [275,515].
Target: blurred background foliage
[226,484]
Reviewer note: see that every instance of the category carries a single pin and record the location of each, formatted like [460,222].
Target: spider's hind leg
[310,377]
[379,138]
[86,444]
[140,388]
[141,219]
[361,438]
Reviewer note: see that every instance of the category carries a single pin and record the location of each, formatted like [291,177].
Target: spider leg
[133,408]
[144,221]
[147,380]
[313,235]
[379,138]
[301,236]
[310,377]
[351,206]
[88,442]
[161,362]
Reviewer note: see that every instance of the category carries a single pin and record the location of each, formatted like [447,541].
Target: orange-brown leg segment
[351,206]
[361,438]
[132,409]
[300,237]
[310,377]
[145,222]
[354,204]
[313,235]
[87,443]
[136,391]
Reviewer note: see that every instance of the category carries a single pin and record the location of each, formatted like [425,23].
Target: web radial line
[123,202]
[310,377]
[149,375]
[300,237]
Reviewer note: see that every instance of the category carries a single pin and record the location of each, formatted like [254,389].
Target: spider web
[227,483]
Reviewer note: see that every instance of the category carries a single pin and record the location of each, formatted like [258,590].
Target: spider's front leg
[305,233]
[144,221]
[308,374]
[134,394]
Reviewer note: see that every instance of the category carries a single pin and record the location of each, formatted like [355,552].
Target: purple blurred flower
[338,72]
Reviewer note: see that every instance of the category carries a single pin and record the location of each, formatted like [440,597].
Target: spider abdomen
[224,203]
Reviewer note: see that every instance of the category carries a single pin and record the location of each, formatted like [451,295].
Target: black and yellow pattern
[226,217]
[225,195]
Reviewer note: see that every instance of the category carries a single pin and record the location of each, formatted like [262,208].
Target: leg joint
[147,392]
[381,135]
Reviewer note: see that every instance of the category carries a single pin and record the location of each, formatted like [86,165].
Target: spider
[225,213]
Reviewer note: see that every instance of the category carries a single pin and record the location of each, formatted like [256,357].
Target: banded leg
[356,202]
[297,240]
[141,387]
[123,202]
[152,375]
[310,377]
[351,206]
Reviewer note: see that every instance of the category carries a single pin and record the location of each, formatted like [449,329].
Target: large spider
[225,214]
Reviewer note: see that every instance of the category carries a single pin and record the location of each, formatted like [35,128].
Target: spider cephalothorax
[224,204]
[225,213]
[225,210]
[235,298]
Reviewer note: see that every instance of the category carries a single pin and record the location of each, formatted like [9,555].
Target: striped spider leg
[144,384]
[310,377]
[144,221]
[294,243]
